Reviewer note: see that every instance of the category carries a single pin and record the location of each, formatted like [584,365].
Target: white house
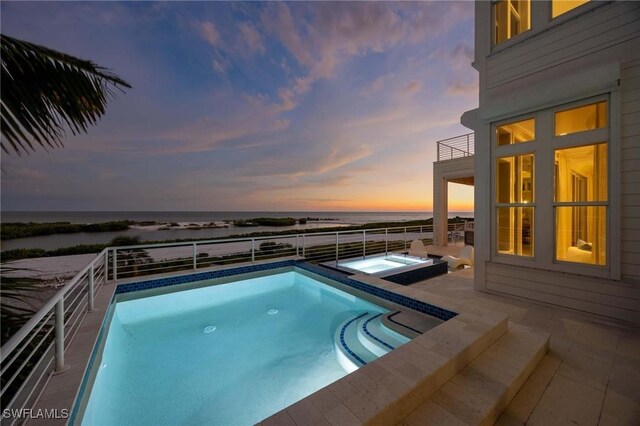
[557,153]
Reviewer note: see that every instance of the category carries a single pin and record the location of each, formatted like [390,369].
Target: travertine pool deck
[590,376]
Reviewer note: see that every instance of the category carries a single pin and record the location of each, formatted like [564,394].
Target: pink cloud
[412,88]
[208,32]
[250,38]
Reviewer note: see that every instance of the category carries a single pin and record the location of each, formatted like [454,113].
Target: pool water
[384,263]
[225,354]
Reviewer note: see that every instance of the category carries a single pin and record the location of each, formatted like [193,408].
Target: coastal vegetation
[12,230]
[32,229]
[266,221]
[16,254]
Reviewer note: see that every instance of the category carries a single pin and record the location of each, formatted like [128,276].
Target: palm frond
[16,296]
[45,91]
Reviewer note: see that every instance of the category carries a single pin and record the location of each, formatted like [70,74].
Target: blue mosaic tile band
[439,267]
[416,305]
[200,276]
[344,344]
[368,333]
[340,277]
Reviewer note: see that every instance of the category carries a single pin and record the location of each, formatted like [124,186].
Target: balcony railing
[456,147]
[38,349]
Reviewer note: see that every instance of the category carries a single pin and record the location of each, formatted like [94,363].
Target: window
[511,17]
[581,194]
[588,117]
[558,7]
[551,189]
[514,198]
[521,131]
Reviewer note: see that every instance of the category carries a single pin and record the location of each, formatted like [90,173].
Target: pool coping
[459,322]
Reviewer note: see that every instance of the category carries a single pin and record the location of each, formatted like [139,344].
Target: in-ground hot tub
[397,268]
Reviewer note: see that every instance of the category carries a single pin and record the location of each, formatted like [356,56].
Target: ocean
[52,242]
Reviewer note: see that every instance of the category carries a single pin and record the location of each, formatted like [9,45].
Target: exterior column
[440,207]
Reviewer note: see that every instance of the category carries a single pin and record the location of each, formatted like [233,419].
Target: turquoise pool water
[227,354]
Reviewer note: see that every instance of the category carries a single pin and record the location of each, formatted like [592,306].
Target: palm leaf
[16,297]
[45,91]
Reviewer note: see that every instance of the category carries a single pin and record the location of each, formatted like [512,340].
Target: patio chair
[417,249]
[464,258]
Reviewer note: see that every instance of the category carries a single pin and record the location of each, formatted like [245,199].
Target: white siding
[583,38]
[630,171]
[604,35]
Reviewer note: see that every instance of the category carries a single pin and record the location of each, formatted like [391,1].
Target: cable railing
[456,147]
[38,348]
[151,259]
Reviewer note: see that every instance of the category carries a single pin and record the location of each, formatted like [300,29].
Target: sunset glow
[254,106]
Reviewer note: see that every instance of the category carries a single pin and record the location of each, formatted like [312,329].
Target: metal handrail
[107,265]
[27,357]
[456,147]
[14,340]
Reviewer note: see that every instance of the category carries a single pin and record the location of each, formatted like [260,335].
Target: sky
[305,106]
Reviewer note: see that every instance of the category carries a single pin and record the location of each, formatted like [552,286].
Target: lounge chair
[417,249]
[464,258]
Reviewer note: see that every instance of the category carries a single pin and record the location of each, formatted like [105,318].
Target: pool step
[377,338]
[363,338]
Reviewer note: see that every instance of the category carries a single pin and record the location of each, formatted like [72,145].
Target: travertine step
[483,389]
[386,390]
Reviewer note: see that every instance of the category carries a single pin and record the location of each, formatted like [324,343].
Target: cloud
[338,156]
[375,86]
[208,32]
[461,88]
[322,36]
[250,38]
[221,64]
[412,88]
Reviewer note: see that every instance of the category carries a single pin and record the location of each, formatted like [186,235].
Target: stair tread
[373,336]
[409,323]
[481,390]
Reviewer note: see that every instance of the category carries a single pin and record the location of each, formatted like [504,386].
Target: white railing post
[386,241]
[115,264]
[337,249]
[303,245]
[90,289]
[297,246]
[59,337]
[405,238]
[106,266]
[195,257]
[468,151]
[253,250]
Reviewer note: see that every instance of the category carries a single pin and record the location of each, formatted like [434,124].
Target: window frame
[494,33]
[512,150]
[543,147]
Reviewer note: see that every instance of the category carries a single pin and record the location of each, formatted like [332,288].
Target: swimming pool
[230,353]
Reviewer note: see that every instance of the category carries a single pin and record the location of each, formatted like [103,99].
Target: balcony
[456,147]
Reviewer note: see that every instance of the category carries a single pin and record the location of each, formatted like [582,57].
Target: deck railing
[38,348]
[456,147]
